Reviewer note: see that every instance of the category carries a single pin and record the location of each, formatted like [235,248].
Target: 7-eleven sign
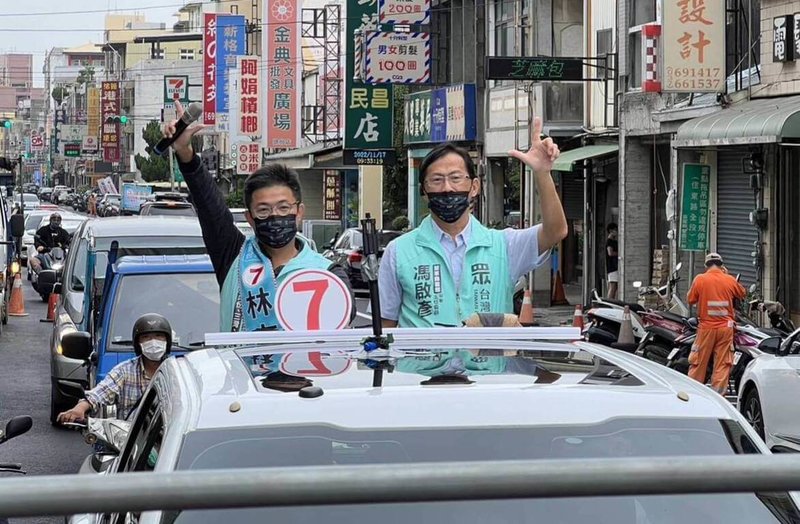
[176,88]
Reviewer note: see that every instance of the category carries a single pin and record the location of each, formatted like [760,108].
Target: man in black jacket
[47,237]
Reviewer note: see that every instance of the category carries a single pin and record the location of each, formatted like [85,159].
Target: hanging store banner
[368,108]
[397,58]
[404,11]
[209,68]
[230,42]
[283,67]
[796,34]
[93,116]
[333,195]
[693,46]
[417,115]
[446,114]
[783,39]
[248,111]
[694,207]
[110,106]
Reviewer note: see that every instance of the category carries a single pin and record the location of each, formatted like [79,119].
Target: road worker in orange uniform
[714,293]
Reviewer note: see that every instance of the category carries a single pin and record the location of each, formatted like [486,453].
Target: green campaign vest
[307,258]
[430,297]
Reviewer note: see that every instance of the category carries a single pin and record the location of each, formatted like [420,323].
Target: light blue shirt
[523,256]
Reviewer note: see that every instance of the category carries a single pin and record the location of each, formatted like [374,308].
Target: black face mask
[449,205]
[54,225]
[276,231]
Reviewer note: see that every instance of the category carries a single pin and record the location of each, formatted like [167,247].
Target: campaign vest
[307,258]
[430,297]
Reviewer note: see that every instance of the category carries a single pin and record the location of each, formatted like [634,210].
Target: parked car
[348,251]
[45,193]
[30,201]
[168,207]
[488,397]
[135,236]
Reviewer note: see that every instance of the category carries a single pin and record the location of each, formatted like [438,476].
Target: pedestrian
[249,269]
[452,266]
[92,204]
[612,260]
[124,385]
[714,292]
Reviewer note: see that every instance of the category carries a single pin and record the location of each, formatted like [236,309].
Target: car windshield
[113,198]
[179,211]
[28,197]
[617,437]
[68,223]
[34,220]
[190,301]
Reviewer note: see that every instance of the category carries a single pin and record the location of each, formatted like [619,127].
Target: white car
[769,393]
[291,399]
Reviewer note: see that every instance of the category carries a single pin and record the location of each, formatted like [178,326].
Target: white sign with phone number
[312,300]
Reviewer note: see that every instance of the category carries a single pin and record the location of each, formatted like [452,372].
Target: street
[25,390]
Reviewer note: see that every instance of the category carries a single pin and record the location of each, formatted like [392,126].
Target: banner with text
[230,38]
[283,59]
[248,118]
[110,106]
[694,207]
[693,46]
[209,68]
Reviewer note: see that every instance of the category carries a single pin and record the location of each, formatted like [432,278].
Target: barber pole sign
[209,68]
[397,58]
[651,83]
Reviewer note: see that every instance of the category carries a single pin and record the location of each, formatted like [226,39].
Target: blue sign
[231,33]
[453,113]
[133,196]
[37,178]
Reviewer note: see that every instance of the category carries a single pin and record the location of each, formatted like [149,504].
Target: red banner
[209,68]
[249,97]
[110,107]
[284,64]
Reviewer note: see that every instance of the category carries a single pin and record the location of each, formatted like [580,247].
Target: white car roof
[584,383]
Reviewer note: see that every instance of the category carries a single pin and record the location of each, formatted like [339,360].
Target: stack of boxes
[661,273]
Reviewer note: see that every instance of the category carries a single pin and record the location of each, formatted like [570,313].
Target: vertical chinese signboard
[93,117]
[248,157]
[109,103]
[368,108]
[249,95]
[417,114]
[694,207]
[783,38]
[209,68]
[283,67]
[333,195]
[230,38]
[694,46]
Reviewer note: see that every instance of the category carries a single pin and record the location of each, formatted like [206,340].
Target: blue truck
[182,288]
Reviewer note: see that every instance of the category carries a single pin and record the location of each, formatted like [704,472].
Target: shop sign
[404,11]
[417,115]
[209,68]
[333,195]
[249,98]
[109,107]
[397,58]
[534,68]
[283,69]
[783,39]
[694,207]
[693,46]
[447,114]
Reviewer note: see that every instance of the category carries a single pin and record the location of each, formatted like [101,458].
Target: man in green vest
[250,269]
[452,266]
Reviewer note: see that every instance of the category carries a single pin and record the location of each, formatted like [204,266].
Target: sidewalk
[559,315]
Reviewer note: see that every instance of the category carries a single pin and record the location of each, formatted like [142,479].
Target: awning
[762,121]
[567,159]
[303,157]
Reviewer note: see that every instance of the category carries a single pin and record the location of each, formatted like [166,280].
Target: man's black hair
[441,151]
[271,175]
[611,227]
[717,263]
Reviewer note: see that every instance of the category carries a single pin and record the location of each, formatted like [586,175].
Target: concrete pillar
[370,193]
[634,224]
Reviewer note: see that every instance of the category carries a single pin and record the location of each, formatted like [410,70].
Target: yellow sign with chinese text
[693,44]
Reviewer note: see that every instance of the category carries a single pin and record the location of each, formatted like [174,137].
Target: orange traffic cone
[16,306]
[526,313]
[626,341]
[577,317]
[52,302]
[559,297]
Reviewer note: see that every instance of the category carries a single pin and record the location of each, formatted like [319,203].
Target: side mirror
[17,226]
[16,427]
[77,345]
[678,267]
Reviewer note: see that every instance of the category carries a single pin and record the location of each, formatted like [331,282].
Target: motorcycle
[53,263]
[107,436]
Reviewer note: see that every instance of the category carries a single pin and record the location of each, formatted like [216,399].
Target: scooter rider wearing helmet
[47,237]
[126,382]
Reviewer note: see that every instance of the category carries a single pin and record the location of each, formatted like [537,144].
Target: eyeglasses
[437,181]
[280,209]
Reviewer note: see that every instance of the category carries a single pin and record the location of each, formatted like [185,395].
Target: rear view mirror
[678,267]
[77,345]
[16,427]
[17,225]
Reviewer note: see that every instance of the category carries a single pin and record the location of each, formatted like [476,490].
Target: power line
[109,11]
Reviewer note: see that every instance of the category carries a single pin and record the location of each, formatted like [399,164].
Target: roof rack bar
[354,336]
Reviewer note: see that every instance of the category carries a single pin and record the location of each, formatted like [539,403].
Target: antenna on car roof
[370,269]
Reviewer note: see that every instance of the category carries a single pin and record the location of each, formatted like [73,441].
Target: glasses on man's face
[436,182]
[280,209]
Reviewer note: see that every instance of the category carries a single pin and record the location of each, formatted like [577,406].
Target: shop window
[604,46]
[157,54]
[187,54]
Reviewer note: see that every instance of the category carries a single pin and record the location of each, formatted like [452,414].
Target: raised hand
[183,144]
[542,153]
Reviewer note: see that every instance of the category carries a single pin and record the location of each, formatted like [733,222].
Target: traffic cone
[526,312]
[625,341]
[52,302]
[559,297]
[577,317]
[16,306]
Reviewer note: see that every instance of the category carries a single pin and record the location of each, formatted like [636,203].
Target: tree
[395,180]
[153,168]
[59,93]
[86,76]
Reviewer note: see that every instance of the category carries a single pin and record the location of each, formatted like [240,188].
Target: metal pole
[373,484]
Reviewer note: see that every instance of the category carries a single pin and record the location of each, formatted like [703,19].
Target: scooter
[14,428]
[107,435]
[54,261]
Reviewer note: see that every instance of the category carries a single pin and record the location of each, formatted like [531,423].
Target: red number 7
[318,287]
[257,271]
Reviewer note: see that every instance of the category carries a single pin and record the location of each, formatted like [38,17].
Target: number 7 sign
[312,300]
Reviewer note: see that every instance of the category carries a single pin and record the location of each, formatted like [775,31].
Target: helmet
[150,323]
[55,217]
[713,258]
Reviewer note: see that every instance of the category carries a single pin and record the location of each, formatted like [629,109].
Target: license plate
[736,357]
[673,353]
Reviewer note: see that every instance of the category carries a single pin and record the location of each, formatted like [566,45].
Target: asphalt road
[25,390]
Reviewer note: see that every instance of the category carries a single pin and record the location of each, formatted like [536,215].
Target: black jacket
[51,238]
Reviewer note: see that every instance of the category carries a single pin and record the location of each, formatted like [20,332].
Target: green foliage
[400,223]
[235,199]
[59,94]
[153,168]
[86,76]
[395,179]
[514,185]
